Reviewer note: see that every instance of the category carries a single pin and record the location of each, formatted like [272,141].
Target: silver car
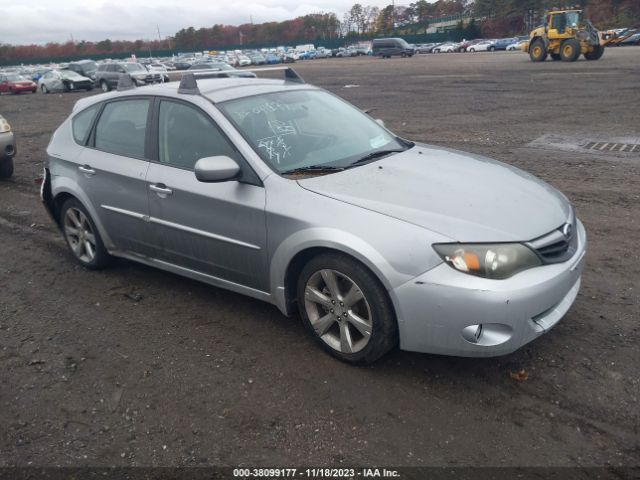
[284,192]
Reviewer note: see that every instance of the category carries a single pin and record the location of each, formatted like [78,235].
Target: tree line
[495,18]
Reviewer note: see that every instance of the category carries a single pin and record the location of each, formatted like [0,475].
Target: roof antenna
[189,85]
[126,83]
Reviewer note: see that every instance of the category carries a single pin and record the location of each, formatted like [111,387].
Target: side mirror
[380,122]
[216,169]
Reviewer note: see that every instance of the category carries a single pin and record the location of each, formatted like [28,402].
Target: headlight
[489,260]
[4,126]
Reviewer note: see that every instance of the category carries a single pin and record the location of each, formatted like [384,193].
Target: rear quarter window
[81,124]
[122,126]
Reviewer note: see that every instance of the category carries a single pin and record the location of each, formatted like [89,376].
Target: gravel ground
[134,366]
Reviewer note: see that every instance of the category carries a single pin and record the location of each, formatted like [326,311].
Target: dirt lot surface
[134,366]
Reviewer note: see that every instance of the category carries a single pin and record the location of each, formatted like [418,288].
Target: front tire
[6,168]
[570,50]
[104,86]
[82,236]
[346,308]
[44,88]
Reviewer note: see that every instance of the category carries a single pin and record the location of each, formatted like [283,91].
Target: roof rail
[126,82]
[189,80]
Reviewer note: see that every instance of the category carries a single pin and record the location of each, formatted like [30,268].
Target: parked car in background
[159,69]
[447,47]
[503,43]
[35,76]
[425,47]
[464,45]
[243,61]
[7,148]
[180,65]
[221,67]
[484,46]
[15,83]
[631,40]
[272,59]
[516,45]
[64,81]
[388,47]
[272,189]
[86,68]
[257,59]
[108,74]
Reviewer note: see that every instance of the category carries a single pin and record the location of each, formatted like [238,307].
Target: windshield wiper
[376,154]
[313,169]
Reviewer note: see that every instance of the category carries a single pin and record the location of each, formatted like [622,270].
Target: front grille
[556,246]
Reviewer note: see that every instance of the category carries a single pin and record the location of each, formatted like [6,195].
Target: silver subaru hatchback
[284,192]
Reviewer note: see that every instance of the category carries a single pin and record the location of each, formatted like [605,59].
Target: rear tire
[570,50]
[596,54]
[6,168]
[537,51]
[346,308]
[82,236]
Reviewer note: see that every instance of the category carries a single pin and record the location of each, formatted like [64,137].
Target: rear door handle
[161,189]
[87,169]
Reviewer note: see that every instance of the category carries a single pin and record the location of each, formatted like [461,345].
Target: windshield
[89,67]
[71,74]
[305,128]
[133,67]
[572,19]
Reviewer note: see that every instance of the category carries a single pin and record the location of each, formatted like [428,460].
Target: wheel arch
[60,193]
[293,253]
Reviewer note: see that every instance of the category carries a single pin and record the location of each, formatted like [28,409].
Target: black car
[86,68]
[181,65]
[108,74]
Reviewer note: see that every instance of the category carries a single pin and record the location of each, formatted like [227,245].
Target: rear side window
[81,124]
[122,127]
[186,135]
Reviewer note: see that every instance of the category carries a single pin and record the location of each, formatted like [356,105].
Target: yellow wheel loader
[564,36]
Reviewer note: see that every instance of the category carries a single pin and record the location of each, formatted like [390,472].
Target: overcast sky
[41,21]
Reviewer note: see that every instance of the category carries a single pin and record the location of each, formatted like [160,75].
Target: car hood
[466,197]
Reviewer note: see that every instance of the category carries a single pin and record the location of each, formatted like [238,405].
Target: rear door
[112,171]
[217,229]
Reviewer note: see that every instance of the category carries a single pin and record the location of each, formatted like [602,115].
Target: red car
[14,83]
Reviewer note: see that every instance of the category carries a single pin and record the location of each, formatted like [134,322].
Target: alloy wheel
[79,235]
[338,311]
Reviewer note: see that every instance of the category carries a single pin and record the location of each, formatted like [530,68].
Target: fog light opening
[472,333]
[487,334]
[478,333]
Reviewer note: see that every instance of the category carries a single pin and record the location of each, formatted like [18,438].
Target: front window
[90,67]
[307,128]
[572,19]
[15,78]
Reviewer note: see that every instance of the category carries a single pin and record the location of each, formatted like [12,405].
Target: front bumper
[439,310]
[7,146]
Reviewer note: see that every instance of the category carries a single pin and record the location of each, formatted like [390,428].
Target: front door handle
[161,189]
[87,169]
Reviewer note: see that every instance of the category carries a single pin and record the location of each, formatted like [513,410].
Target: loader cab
[561,23]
